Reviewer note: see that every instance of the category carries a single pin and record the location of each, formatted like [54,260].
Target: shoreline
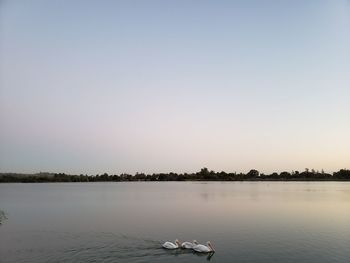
[203,175]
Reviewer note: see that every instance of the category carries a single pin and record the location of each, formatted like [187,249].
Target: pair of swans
[188,245]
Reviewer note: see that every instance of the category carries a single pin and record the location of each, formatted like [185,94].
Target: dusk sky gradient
[161,86]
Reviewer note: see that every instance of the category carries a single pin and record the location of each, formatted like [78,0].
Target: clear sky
[160,86]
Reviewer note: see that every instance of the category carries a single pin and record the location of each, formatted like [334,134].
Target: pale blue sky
[160,86]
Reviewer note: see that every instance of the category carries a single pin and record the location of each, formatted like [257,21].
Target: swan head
[195,242]
[177,242]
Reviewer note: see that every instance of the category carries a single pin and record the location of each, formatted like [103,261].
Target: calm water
[127,222]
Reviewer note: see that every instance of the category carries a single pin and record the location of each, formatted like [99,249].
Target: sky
[174,86]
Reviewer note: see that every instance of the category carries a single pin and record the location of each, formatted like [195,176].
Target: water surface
[127,222]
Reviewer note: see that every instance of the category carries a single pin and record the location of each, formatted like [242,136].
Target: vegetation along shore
[203,175]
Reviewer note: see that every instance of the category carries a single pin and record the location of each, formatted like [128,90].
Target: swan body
[189,245]
[204,249]
[170,245]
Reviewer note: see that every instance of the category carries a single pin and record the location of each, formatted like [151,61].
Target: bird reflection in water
[207,255]
[2,216]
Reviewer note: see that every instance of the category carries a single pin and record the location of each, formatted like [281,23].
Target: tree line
[203,175]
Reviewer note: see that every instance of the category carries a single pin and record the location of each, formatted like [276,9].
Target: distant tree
[204,171]
[274,175]
[140,176]
[342,174]
[285,175]
[253,173]
[162,177]
[104,177]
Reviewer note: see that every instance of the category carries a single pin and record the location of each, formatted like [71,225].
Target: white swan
[204,249]
[169,245]
[189,245]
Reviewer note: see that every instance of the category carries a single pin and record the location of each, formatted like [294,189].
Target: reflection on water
[90,247]
[94,247]
[2,216]
[128,222]
[208,256]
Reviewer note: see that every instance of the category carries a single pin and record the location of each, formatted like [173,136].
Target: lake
[128,222]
